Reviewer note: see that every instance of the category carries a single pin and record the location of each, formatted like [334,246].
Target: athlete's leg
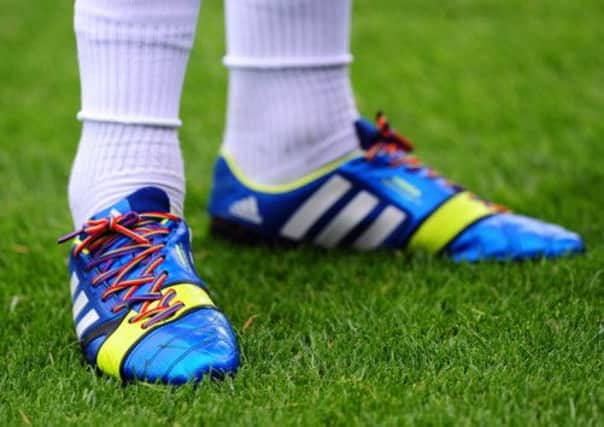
[290,106]
[140,311]
[133,55]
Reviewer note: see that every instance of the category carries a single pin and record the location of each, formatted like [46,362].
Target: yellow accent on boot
[118,344]
[448,221]
[283,188]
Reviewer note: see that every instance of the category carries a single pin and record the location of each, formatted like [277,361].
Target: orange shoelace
[104,241]
[397,149]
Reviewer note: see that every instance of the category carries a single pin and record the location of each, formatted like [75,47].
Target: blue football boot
[140,310]
[379,197]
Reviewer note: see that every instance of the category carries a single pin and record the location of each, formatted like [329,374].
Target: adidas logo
[247,209]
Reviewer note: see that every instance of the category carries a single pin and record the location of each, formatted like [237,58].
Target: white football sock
[133,56]
[290,108]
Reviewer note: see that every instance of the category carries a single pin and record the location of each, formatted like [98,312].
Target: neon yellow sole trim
[117,345]
[282,188]
[448,221]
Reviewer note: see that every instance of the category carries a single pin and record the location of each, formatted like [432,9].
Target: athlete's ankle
[113,160]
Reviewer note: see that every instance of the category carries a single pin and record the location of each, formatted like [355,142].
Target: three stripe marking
[349,216]
[380,229]
[78,306]
[314,207]
[73,283]
[90,317]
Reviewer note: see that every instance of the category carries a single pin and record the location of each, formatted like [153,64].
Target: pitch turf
[506,97]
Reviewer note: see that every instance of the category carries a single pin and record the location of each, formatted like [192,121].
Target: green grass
[505,97]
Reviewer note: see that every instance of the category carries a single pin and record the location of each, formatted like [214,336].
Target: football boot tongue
[147,199]
[367,132]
